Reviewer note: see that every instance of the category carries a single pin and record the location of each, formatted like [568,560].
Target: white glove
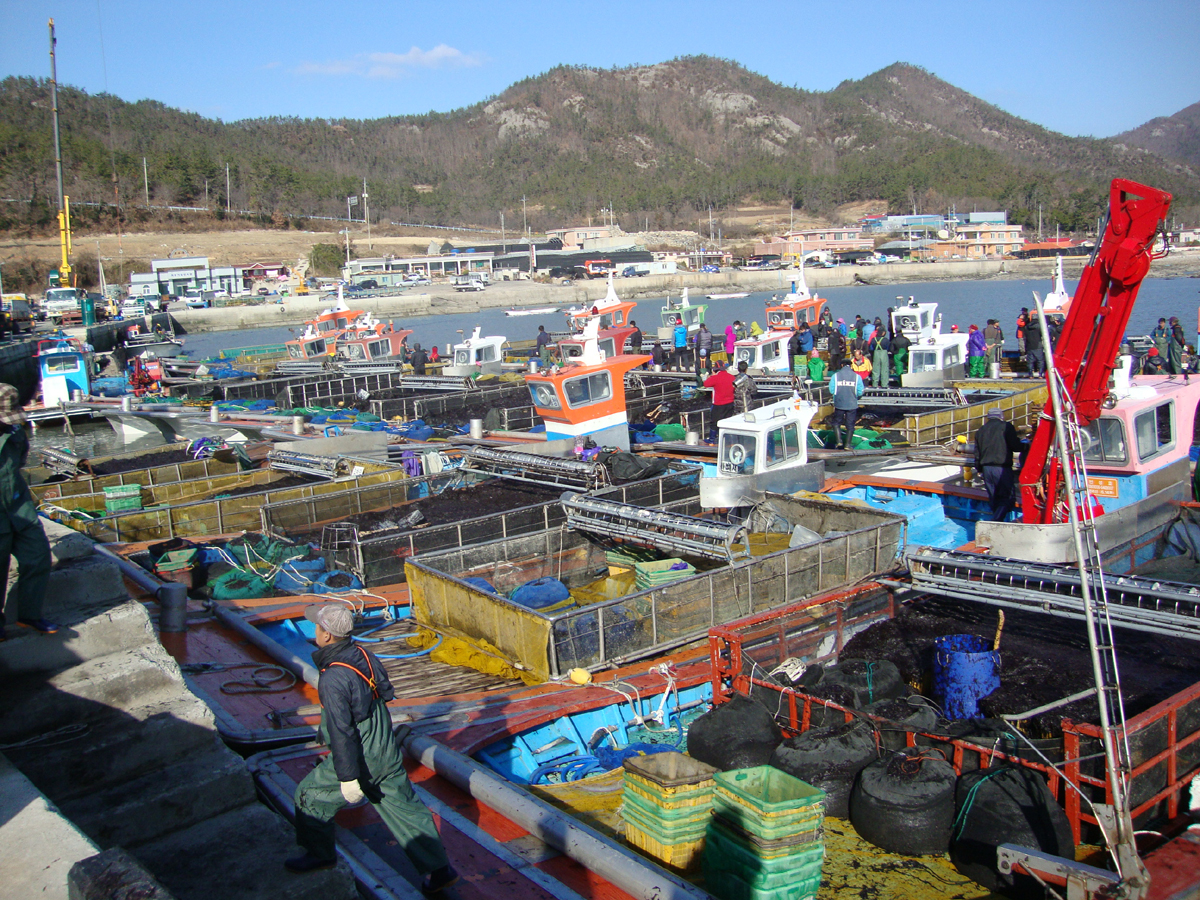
[352,792]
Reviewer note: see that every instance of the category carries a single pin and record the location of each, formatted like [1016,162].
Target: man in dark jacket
[995,444]
[635,339]
[900,345]
[795,351]
[1035,358]
[846,387]
[1175,347]
[1153,364]
[837,349]
[418,360]
[364,760]
[21,532]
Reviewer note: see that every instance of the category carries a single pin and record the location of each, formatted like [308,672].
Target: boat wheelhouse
[934,359]
[763,450]
[369,339]
[1058,301]
[767,352]
[333,321]
[64,370]
[682,311]
[586,397]
[477,355]
[607,341]
[310,345]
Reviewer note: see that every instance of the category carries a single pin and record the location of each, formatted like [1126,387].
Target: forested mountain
[1174,137]
[663,142]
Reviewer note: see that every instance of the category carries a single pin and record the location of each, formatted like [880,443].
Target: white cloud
[392,65]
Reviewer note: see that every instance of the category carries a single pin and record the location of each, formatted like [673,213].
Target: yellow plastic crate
[682,856]
[678,799]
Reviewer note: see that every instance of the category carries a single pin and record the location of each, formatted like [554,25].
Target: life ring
[737,454]
[543,395]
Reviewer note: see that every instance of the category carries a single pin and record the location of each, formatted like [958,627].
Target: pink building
[792,244]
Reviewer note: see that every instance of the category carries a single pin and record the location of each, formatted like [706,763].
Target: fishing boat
[681,311]
[64,372]
[532,311]
[934,358]
[766,353]
[800,305]
[327,325]
[585,398]
[477,355]
[736,295]
[152,344]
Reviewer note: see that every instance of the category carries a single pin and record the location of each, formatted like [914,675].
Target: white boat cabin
[934,358]
[760,450]
[64,369]
[477,355]
[766,353]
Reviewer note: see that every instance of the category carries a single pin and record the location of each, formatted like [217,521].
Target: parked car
[369,285]
[263,292]
[710,268]
[634,272]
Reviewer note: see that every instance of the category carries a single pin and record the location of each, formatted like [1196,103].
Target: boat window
[1155,429]
[906,323]
[770,351]
[1104,440]
[326,326]
[923,361]
[62,365]
[605,322]
[924,320]
[343,322]
[782,444]
[544,395]
[315,348]
[950,358]
[571,351]
[778,318]
[461,358]
[619,317]
[353,351]
[487,353]
[607,347]
[810,315]
[380,349]
[588,389]
[746,355]
[737,453]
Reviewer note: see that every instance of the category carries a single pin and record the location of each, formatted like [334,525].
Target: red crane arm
[1091,336]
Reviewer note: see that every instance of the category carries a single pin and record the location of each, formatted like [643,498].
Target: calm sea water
[961,303]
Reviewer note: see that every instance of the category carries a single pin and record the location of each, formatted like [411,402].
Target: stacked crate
[765,839]
[667,804]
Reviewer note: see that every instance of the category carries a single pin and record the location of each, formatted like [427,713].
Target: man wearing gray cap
[364,760]
[995,443]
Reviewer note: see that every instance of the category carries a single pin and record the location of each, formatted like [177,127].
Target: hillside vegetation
[660,144]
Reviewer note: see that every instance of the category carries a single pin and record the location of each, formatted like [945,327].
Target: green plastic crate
[120,497]
[805,820]
[656,574]
[727,886]
[666,832]
[724,853]
[768,791]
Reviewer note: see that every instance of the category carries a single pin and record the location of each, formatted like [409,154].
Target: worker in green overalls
[21,533]
[364,761]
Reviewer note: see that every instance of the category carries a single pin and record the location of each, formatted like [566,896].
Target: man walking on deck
[364,761]
[543,345]
[21,533]
[846,387]
[995,443]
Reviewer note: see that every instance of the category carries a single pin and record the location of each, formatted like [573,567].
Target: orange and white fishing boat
[326,326]
[801,305]
[586,396]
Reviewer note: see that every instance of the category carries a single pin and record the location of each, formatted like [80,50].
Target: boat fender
[904,803]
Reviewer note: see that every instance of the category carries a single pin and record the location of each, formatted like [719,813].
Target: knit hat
[333,617]
[10,406]
[1153,351]
[995,413]
[841,321]
[974,328]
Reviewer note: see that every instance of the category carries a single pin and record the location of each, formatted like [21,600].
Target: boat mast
[64,215]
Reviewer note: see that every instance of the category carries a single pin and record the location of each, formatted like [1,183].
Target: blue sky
[1081,68]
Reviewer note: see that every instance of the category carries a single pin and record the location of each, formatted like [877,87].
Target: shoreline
[443,300]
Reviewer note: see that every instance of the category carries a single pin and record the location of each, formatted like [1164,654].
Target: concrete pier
[107,747]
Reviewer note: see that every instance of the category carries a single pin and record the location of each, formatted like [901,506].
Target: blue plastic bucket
[964,671]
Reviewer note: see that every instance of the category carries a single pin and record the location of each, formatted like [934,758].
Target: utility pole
[524,218]
[146,181]
[366,214]
[206,193]
[503,239]
[228,208]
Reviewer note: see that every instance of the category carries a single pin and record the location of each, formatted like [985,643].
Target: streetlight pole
[524,220]
[367,214]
